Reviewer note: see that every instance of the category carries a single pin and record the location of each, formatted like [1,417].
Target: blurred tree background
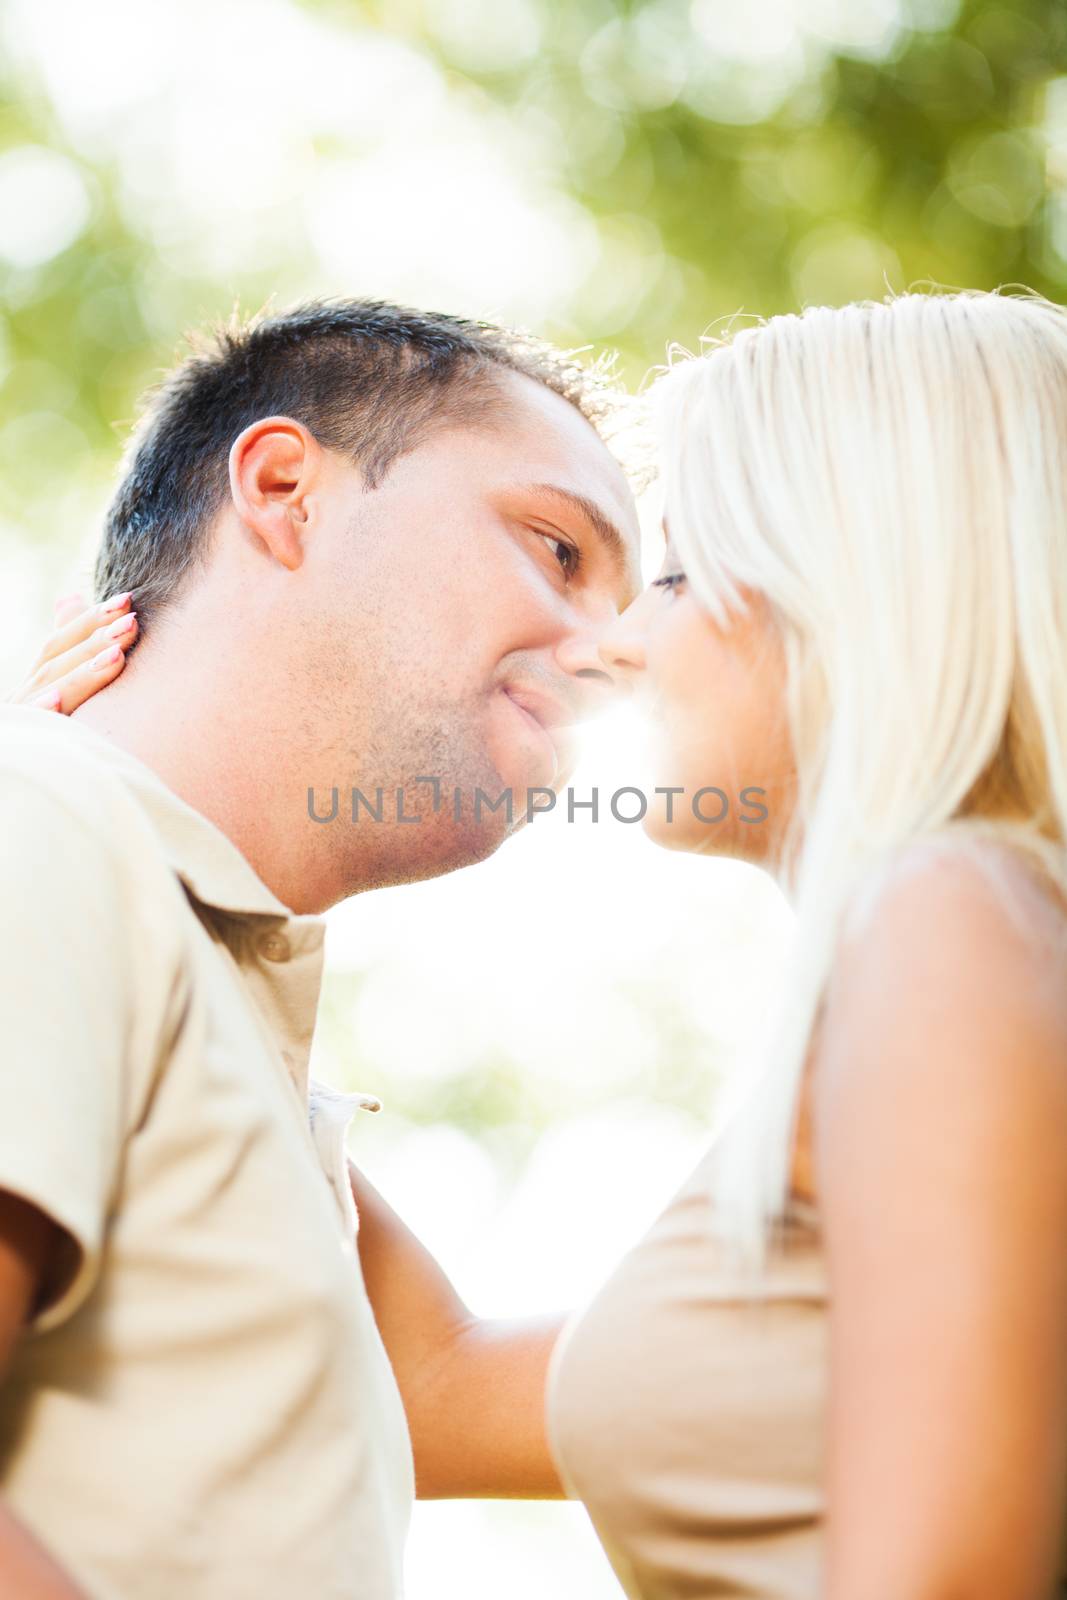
[547,1030]
[771,155]
[681,161]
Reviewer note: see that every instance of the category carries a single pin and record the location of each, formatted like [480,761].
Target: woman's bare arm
[941,1160]
[473,1390]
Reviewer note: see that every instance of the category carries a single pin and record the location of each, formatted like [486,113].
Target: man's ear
[275,471]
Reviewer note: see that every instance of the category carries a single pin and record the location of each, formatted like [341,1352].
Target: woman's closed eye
[669,581]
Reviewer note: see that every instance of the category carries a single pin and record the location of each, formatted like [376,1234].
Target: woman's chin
[678,832]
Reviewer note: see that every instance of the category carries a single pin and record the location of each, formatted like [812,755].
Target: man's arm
[89,982]
[473,1390]
[27,1243]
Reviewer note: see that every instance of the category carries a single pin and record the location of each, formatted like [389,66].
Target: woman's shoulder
[966,927]
[966,888]
[946,1002]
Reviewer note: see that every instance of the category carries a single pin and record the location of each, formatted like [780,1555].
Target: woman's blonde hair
[892,478]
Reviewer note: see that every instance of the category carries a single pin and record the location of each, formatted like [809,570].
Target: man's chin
[432,849]
[525,758]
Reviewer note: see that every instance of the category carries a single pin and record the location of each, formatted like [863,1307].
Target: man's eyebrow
[607,531]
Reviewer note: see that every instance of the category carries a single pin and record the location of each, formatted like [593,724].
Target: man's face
[450,627]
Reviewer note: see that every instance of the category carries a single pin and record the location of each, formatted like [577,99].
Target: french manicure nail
[106,657]
[122,624]
[115,602]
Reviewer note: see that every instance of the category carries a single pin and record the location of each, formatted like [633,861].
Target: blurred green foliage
[505,1107]
[934,147]
[730,159]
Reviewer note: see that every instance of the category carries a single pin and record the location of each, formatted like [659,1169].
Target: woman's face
[715,704]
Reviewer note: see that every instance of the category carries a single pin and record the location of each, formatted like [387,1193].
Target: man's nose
[621,648]
[580,658]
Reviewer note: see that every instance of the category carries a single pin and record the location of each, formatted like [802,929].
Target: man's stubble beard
[411,744]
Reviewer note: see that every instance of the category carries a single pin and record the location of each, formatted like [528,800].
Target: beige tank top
[686,1406]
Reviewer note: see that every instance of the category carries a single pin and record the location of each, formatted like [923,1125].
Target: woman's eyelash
[669,581]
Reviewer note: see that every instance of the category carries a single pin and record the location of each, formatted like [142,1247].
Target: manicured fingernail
[116,602]
[122,624]
[50,701]
[106,657]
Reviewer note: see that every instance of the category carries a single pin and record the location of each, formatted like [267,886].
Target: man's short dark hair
[367,379]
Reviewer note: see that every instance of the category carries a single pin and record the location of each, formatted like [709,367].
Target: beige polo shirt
[205,1410]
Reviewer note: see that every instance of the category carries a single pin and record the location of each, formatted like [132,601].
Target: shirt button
[274,947]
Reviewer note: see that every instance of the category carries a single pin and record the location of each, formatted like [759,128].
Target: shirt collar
[280,953]
[208,863]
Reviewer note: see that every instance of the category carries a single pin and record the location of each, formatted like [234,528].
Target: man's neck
[206,745]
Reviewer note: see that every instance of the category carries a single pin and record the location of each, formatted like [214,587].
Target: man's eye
[566,554]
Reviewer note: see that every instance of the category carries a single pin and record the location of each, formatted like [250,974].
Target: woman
[858,1304]
[837,1366]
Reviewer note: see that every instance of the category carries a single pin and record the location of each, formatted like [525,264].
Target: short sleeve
[75,979]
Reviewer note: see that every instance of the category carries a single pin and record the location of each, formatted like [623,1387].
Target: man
[372,551]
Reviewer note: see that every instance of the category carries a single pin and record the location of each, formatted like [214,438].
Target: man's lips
[544,708]
[547,717]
